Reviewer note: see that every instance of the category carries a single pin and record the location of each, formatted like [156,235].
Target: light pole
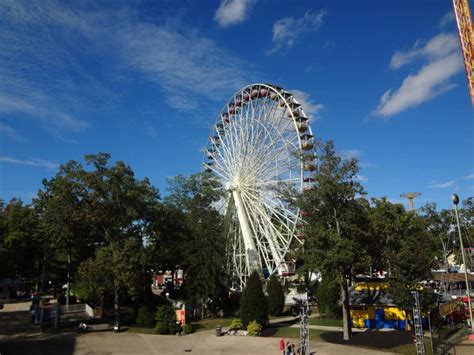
[468,289]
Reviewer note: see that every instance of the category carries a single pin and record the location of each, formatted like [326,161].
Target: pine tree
[276,296]
[253,304]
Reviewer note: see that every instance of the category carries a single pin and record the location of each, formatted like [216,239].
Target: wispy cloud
[442,62]
[231,12]
[447,19]
[443,185]
[361,178]
[287,30]
[44,77]
[50,116]
[11,132]
[36,162]
[192,68]
[350,153]
[311,109]
[468,177]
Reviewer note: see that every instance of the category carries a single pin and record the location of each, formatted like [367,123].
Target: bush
[165,317]
[162,328]
[144,316]
[236,324]
[254,328]
[253,303]
[276,296]
[187,328]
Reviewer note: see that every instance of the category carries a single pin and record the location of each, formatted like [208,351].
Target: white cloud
[287,30]
[231,12]
[447,19]
[311,109]
[36,162]
[443,61]
[443,185]
[429,82]
[469,177]
[439,46]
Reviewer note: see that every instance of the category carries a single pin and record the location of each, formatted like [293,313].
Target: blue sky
[145,80]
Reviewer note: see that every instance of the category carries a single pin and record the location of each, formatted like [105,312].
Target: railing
[73,308]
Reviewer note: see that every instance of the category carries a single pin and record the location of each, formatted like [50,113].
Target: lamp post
[468,289]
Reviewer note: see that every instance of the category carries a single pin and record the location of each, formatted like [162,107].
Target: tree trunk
[68,278]
[117,309]
[346,309]
[101,305]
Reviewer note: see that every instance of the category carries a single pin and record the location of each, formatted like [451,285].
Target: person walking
[282,346]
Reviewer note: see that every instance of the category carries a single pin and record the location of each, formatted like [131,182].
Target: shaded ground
[373,339]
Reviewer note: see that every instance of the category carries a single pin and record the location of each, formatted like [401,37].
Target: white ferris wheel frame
[261,142]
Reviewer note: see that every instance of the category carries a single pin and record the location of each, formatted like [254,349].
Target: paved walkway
[19,336]
[199,343]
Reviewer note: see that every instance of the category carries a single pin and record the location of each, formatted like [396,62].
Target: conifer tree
[253,304]
[276,296]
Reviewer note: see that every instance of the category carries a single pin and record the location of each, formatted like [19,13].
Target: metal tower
[304,324]
[420,343]
[466,37]
[411,196]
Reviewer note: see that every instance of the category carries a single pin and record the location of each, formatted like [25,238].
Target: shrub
[144,316]
[276,296]
[165,317]
[172,328]
[162,328]
[253,303]
[254,328]
[236,324]
[187,328]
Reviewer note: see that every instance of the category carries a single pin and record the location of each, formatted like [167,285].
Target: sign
[181,316]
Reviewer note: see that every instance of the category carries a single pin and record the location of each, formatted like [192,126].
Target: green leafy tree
[21,244]
[121,209]
[253,303]
[276,296]
[328,294]
[203,246]
[61,206]
[337,224]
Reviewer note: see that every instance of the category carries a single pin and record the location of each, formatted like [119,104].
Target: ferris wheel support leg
[250,249]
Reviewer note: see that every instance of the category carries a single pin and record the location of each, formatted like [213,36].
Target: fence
[73,308]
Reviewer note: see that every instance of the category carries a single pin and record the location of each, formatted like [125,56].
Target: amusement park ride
[466,37]
[261,147]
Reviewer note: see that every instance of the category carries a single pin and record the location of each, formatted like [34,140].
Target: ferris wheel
[261,149]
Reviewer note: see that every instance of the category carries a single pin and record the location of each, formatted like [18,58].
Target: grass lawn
[208,324]
[141,330]
[287,332]
[332,322]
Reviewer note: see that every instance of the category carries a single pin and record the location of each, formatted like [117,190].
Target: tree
[203,245]
[337,223]
[253,303]
[276,296]
[21,244]
[120,208]
[105,207]
[61,206]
